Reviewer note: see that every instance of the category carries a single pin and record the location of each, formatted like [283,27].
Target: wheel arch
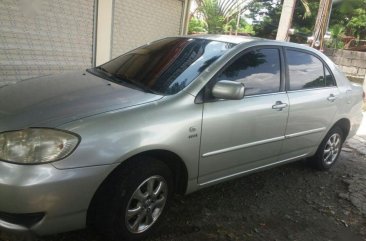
[174,162]
[345,125]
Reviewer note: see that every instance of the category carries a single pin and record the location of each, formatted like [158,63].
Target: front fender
[172,124]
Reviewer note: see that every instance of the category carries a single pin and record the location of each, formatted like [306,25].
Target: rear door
[312,94]
[241,135]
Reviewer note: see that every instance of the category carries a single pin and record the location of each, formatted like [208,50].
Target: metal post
[237,22]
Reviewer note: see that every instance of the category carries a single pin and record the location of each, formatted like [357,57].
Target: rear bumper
[355,125]
[41,199]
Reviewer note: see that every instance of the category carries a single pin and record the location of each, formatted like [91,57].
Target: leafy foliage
[350,14]
[337,31]
[248,28]
[220,15]
[357,24]
[267,13]
[196,26]
[348,17]
[244,27]
[303,18]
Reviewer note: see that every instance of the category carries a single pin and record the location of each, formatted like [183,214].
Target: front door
[242,135]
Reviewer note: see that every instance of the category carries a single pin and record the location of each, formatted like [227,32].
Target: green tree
[303,22]
[196,26]
[244,27]
[248,28]
[357,24]
[268,13]
[352,15]
[336,33]
[266,16]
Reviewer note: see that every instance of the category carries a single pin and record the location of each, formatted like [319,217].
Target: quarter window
[258,70]
[305,70]
[329,80]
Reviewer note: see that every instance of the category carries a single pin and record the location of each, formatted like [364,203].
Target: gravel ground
[292,202]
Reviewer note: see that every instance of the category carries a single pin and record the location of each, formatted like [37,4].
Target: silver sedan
[109,146]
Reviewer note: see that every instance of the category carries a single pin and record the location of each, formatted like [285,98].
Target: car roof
[226,38]
[247,39]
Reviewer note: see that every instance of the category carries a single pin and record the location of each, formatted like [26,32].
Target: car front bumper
[42,199]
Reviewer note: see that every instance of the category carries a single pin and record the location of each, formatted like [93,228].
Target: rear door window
[305,70]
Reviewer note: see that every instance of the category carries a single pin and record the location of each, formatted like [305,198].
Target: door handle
[279,106]
[331,98]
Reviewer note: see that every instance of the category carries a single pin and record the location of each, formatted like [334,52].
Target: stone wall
[352,63]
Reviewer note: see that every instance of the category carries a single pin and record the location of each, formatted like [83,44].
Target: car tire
[134,199]
[328,150]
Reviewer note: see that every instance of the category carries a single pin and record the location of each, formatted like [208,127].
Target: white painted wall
[104,31]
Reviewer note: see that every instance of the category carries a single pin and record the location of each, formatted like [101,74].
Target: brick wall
[352,63]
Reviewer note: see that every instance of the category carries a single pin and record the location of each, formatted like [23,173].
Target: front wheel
[329,150]
[135,200]
[146,204]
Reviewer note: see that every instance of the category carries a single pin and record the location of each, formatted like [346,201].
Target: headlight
[36,145]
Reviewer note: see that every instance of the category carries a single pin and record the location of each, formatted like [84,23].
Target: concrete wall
[352,63]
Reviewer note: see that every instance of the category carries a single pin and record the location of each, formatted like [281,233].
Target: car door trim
[312,89]
[253,169]
[234,148]
[305,132]
[280,138]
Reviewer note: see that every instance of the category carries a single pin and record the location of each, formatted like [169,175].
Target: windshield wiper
[101,72]
[104,70]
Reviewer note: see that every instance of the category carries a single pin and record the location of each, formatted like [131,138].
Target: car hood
[54,100]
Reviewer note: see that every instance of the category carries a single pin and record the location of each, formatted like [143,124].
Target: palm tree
[218,13]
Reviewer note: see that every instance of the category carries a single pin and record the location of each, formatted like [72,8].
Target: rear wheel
[134,200]
[329,150]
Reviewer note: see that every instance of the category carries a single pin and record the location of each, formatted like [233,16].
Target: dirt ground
[292,202]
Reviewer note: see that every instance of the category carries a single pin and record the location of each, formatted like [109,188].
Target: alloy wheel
[146,204]
[332,149]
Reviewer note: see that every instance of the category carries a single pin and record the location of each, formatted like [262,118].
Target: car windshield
[163,67]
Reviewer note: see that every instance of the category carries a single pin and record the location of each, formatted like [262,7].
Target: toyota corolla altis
[109,146]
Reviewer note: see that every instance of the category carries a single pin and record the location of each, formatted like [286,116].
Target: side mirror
[228,90]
